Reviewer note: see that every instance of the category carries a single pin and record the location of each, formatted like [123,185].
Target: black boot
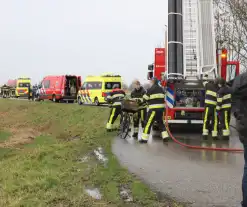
[143,141]
[226,138]
[135,135]
[215,138]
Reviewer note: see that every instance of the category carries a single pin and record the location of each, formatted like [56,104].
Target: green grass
[46,171]
[4,136]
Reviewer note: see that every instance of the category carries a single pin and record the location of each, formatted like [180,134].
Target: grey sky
[82,37]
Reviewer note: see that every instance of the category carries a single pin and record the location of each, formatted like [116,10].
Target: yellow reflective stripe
[117,95]
[146,97]
[112,115]
[224,106]
[116,103]
[212,93]
[210,102]
[145,136]
[218,107]
[205,120]
[226,120]
[156,106]
[227,96]
[149,122]
[215,121]
[158,95]
[219,99]
[226,132]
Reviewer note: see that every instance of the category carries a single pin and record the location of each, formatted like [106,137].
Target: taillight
[103,94]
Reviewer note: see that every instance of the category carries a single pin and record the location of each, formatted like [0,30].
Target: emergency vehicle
[191,55]
[22,85]
[59,88]
[95,88]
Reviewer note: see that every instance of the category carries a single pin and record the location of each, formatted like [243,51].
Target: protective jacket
[155,97]
[138,94]
[115,97]
[239,96]
[211,94]
[224,100]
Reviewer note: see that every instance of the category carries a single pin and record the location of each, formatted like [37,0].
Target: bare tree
[231,28]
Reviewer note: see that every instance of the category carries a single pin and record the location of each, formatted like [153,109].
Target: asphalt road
[199,177]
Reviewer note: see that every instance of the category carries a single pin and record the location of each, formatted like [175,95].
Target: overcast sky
[82,37]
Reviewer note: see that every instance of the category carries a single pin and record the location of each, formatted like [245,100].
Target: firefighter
[155,98]
[224,107]
[114,98]
[210,113]
[138,93]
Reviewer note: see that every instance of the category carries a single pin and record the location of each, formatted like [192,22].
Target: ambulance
[22,85]
[95,88]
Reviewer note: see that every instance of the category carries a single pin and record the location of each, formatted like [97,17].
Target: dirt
[19,137]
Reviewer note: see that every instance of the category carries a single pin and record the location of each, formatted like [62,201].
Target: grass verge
[47,158]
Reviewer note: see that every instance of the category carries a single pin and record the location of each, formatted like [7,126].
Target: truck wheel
[96,101]
[79,101]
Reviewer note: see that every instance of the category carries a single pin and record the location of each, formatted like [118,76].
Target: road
[199,177]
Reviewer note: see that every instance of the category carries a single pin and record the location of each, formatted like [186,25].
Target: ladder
[190,37]
[199,39]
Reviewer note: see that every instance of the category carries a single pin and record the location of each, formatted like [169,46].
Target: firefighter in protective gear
[114,98]
[138,94]
[224,106]
[155,98]
[210,114]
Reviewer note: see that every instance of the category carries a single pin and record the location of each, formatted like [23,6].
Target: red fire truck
[185,98]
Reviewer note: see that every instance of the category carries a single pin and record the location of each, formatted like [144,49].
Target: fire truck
[190,54]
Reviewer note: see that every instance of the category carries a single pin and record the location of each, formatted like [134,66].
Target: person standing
[114,98]
[155,98]
[138,94]
[224,105]
[239,109]
[210,114]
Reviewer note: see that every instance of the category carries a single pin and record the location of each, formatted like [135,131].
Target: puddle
[125,194]
[99,153]
[94,193]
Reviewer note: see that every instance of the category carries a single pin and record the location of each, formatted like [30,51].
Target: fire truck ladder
[199,39]
[190,30]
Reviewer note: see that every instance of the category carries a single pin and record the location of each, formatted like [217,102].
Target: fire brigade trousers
[224,117]
[140,115]
[210,115]
[152,116]
[114,113]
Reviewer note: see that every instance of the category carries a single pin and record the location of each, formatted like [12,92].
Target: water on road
[200,177]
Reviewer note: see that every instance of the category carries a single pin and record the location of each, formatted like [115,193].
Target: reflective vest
[155,97]
[224,99]
[115,97]
[211,94]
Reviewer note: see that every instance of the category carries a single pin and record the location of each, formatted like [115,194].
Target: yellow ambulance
[95,88]
[22,85]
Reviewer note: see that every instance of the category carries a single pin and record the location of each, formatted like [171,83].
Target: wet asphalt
[198,177]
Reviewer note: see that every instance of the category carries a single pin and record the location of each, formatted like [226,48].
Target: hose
[195,146]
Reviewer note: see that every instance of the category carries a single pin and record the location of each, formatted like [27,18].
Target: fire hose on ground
[195,146]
